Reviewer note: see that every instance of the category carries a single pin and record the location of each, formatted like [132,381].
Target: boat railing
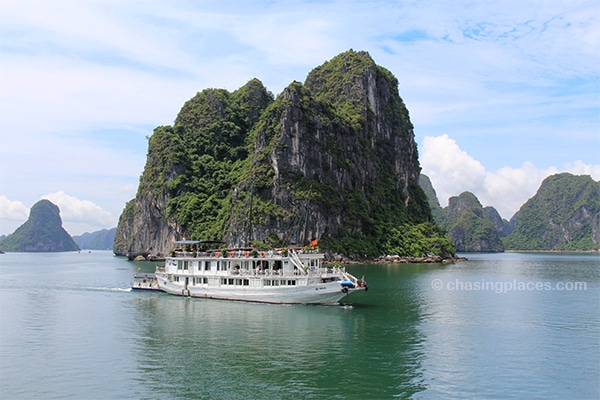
[237,253]
[265,273]
[311,271]
[238,272]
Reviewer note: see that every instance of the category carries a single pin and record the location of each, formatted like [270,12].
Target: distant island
[564,215]
[42,232]
[103,239]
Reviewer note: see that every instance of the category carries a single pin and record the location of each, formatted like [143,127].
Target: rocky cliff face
[469,226]
[144,228]
[564,214]
[42,232]
[333,158]
[438,213]
[339,156]
[189,171]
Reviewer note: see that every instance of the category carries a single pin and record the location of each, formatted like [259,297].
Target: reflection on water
[519,335]
[216,349]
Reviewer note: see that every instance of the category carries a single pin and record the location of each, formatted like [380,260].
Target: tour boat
[281,276]
[145,281]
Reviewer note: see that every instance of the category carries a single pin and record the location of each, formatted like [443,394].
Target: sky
[501,93]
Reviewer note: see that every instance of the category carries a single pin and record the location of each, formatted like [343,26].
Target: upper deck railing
[241,253]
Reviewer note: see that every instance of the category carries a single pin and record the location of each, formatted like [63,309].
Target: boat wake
[105,289]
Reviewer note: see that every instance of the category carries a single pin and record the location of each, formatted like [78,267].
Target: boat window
[246,282]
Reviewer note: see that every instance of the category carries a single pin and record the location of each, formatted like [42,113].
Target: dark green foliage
[197,162]
[419,240]
[42,232]
[467,223]
[563,215]
[409,240]
[341,83]
[473,232]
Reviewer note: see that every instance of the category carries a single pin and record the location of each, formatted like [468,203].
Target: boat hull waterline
[326,294]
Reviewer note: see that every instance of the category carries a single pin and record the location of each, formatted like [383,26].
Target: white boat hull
[326,293]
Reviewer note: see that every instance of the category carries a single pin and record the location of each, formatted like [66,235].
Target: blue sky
[501,93]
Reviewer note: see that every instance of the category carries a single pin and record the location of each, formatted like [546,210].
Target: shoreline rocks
[392,259]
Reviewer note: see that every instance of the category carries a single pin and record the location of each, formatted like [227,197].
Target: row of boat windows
[240,282]
[266,282]
[280,282]
[246,282]
[225,265]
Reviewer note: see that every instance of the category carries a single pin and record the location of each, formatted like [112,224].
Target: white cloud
[12,210]
[509,188]
[74,210]
[580,168]
[450,168]
[453,171]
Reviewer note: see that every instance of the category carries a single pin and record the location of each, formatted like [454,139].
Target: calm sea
[498,326]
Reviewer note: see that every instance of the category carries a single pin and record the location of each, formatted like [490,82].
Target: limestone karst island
[332,159]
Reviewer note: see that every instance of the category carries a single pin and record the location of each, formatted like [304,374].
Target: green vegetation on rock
[564,214]
[468,226]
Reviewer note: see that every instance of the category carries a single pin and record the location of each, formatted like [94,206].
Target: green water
[497,326]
